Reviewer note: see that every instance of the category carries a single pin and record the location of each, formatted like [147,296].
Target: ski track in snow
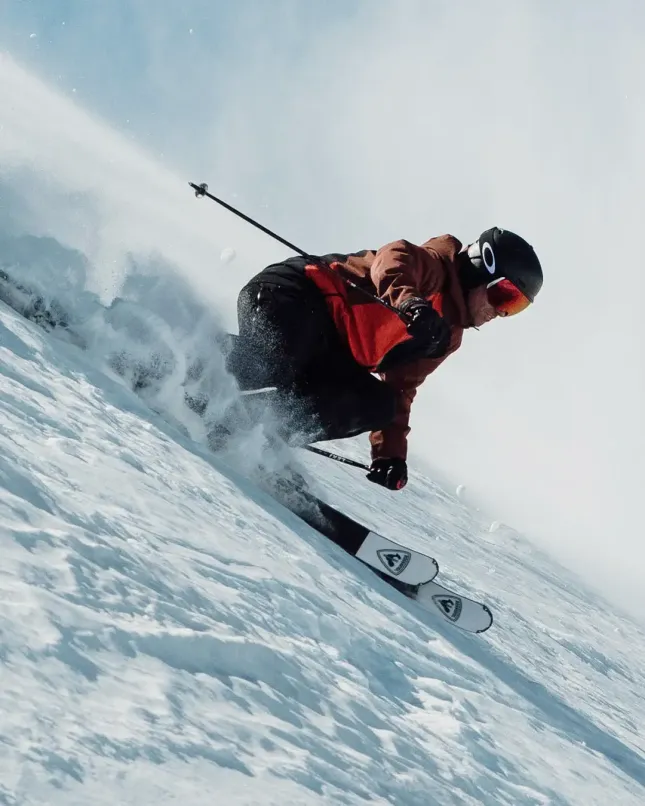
[169,633]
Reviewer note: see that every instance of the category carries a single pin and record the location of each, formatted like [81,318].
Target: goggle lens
[506,298]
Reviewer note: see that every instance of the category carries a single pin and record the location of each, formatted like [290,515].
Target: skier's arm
[392,441]
[401,270]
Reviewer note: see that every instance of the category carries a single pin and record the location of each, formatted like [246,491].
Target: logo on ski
[450,606]
[395,561]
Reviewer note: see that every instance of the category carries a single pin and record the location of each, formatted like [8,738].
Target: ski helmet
[500,253]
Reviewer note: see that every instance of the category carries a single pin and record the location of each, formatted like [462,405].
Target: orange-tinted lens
[506,298]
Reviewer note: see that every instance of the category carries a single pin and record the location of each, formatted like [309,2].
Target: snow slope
[171,634]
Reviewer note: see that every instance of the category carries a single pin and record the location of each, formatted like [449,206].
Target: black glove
[390,473]
[425,324]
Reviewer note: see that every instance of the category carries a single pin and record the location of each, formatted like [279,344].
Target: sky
[345,125]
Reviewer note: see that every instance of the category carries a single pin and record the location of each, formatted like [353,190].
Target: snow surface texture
[169,633]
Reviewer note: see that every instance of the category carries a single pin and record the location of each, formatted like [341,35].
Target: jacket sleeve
[401,270]
[392,442]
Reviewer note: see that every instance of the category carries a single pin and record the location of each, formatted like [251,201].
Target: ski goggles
[506,298]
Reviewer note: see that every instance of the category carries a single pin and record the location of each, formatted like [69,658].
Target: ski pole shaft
[337,457]
[202,190]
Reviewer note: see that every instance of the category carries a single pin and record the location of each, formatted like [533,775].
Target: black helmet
[501,253]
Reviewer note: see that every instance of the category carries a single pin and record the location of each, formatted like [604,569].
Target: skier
[322,342]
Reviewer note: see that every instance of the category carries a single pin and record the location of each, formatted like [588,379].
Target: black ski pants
[288,339]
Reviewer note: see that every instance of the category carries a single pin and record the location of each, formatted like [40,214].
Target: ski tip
[489,613]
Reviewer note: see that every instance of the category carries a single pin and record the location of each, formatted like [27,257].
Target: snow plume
[156,338]
[117,248]
[69,176]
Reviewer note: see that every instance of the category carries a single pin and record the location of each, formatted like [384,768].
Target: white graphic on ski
[465,613]
[396,561]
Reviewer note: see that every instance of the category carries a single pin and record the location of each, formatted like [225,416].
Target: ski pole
[336,457]
[202,190]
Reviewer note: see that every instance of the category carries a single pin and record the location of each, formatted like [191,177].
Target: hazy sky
[348,124]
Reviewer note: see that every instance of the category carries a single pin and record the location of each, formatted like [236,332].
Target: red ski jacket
[396,272]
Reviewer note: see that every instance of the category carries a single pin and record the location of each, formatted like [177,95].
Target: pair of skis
[407,570]
[398,564]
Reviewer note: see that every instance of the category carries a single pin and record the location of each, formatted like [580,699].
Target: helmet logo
[488,257]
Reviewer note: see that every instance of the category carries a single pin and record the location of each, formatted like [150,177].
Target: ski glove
[390,473]
[424,324]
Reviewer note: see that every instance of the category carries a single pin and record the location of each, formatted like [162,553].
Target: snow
[227,255]
[171,634]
